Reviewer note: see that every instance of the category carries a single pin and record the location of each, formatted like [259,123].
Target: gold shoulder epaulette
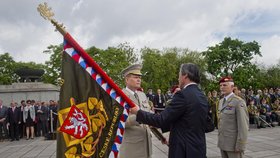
[237,97]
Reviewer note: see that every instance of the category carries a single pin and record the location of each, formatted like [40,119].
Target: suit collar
[229,96]
[130,91]
[192,83]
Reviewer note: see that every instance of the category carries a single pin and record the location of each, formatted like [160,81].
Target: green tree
[158,68]
[161,67]
[113,60]
[229,55]
[53,66]
[246,76]
[272,76]
[7,69]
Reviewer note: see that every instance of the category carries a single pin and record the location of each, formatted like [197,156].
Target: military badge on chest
[144,104]
[229,107]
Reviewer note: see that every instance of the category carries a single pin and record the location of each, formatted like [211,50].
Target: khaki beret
[133,69]
[226,79]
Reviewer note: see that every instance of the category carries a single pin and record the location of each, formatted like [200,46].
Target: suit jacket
[156,101]
[233,124]
[137,137]
[13,116]
[3,112]
[44,115]
[185,117]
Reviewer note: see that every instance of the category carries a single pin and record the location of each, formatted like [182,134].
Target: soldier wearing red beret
[233,121]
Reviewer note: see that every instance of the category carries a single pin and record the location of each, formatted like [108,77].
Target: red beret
[226,79]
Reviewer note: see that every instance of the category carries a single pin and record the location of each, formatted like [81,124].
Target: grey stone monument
[29,87]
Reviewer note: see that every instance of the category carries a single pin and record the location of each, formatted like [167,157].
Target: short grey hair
[191,70]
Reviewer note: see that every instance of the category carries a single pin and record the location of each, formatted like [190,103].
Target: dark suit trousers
[42,126]
[3,131]
[14,131]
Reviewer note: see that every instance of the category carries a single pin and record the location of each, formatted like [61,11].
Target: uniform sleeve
[131,121]
[242,125]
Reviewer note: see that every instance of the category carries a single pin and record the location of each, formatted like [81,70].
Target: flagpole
[47,14]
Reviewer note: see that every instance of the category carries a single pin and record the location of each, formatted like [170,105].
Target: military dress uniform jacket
[137,141]
[233,124]
[185,117]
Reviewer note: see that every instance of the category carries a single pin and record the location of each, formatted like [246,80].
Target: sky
[193,24]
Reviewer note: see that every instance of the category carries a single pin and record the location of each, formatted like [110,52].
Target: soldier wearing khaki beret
[233,121]
[137,137]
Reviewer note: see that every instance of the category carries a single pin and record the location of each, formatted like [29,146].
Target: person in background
[42,119]
[254,113]
[159,102]
[150,95]
[3,116]
[214,107]
[28,119]
[168,95]
[13,121]
[53,113]
[243,94]
[266,112]
[21,125]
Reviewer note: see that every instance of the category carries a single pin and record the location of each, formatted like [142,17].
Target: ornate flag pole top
[47,14]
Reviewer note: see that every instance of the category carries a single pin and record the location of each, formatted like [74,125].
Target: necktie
[224,101]
[138,101]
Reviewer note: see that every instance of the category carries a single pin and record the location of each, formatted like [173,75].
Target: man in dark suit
[159,101]
[3,116]
[185,117]
[150,95]
[42,119]
[13,121]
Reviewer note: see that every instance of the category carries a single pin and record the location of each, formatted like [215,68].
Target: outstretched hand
[134,110]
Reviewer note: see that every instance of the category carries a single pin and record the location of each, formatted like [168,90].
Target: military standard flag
[92,111]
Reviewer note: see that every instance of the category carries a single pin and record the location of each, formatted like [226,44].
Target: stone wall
[37,91]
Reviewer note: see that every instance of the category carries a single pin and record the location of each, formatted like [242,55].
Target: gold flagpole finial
[47,14]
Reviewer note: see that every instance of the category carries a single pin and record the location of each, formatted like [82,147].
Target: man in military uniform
[243,94]
[137,137]
[233,121]
[276,110]
[254,113]
[214,102]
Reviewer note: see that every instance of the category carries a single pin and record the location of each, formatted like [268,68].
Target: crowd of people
[27,120]
[158,101]
[263,106]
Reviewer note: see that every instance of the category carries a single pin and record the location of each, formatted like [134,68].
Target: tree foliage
[53,66]
[161,67]
[113,60]
[229,55]
[272,77]
[246,76]
[7,69]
